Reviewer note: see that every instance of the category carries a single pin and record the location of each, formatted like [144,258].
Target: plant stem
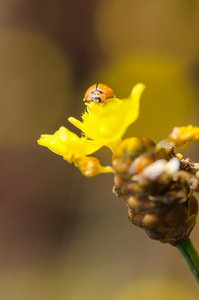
[190,256]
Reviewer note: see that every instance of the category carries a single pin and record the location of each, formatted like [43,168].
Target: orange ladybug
[98,93]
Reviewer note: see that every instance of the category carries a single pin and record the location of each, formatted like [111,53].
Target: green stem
[190,256]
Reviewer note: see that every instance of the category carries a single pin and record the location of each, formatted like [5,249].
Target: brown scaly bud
[158,189]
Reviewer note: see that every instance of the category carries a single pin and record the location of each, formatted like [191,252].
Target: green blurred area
[63,236]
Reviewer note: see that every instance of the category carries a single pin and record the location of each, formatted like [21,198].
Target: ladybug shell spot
[102,88]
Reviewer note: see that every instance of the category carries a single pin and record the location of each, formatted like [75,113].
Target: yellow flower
[106,124]
[102,125]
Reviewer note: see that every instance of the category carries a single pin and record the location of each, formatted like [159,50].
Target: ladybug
[98,93]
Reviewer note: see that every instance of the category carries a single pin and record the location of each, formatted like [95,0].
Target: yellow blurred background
[63,236]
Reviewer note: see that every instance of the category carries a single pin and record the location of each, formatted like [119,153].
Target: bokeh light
[169,28]
[35,85]
[157,288]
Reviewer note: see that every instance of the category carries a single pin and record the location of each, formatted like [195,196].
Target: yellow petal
[182,136]
[55,142]
[66,143]
[76,123]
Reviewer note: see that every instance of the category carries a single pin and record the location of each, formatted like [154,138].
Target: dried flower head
[158,189]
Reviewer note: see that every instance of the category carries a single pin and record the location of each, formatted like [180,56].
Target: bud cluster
[157,187]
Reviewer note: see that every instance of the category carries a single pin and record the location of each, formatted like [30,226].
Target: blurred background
[63,236]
